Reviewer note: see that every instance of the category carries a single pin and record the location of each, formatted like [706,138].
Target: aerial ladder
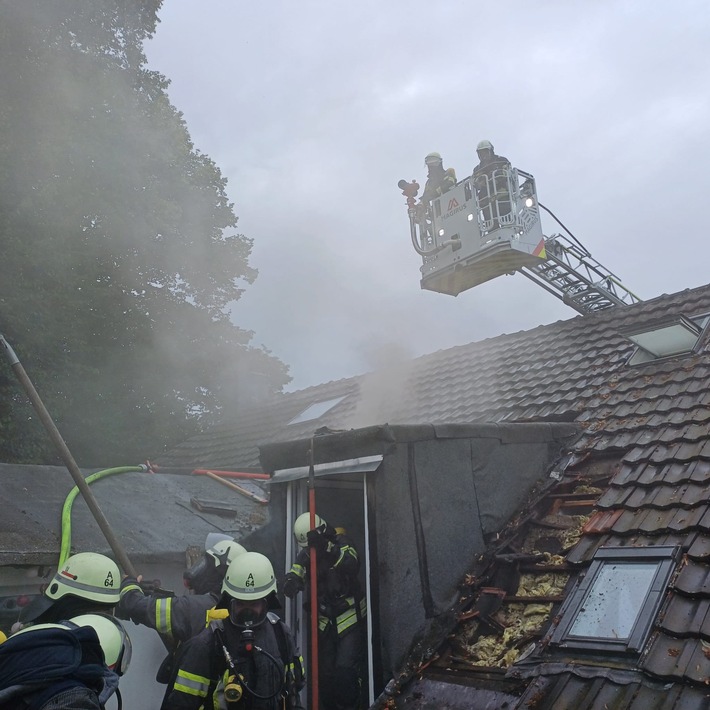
[490,226]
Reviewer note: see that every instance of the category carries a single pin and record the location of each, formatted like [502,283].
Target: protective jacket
[438,183]
[268,672]
[178,618]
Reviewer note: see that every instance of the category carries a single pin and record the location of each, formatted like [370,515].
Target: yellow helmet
[302,527]
[249,576]
[114,640]
[87,575]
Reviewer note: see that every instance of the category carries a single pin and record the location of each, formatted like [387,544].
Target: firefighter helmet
[207,573]
[433,159]
[484,145]
[302,527]
[87,575]
[249,590]
[224,552]
[114,640]
[249,577]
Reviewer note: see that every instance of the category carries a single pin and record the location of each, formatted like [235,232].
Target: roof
[155,516]
[551,373]
[639,475]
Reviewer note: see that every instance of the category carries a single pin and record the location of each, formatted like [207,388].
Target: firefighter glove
[293,584]
[317,540]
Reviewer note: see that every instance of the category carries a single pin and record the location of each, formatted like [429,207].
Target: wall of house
[439,494]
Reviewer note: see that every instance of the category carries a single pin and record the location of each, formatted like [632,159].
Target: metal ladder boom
[576,278]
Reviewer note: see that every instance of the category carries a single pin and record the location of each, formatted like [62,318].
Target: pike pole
[314,581]
[68,459]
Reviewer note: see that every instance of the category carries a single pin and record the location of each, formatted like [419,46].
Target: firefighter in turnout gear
[178,619]
[439,180]
[87,582]
[342,609]
[491,180]
[75,664]
[247,658]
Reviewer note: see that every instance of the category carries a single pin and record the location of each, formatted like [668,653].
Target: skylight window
[316,410]
[666,337]
[615,603]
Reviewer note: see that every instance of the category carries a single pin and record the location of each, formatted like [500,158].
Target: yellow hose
[66,509]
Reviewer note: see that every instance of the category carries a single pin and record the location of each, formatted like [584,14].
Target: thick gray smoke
[383,387]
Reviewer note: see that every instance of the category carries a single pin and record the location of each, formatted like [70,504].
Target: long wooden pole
[68,459]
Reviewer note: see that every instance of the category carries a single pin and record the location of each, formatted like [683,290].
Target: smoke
[392,365]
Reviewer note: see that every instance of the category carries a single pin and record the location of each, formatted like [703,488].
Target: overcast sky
[314,110]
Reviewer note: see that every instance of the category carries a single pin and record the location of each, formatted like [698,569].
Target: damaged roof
[156,516]
[637,478]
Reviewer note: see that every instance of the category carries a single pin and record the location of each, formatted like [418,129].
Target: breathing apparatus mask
[247,615]
[204,576]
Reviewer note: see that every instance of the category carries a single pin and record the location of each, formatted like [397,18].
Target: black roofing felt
[151,514]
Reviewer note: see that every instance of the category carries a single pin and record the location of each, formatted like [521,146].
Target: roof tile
[676,658]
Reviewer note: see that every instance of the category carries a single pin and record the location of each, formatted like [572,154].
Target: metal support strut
[576,278]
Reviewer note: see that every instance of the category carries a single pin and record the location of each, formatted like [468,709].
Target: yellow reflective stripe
[131,588]
[192,684]
[163,615]
[298,570]
[350,617]
[345,550]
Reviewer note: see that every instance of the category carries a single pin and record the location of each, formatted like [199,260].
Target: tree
[120,259]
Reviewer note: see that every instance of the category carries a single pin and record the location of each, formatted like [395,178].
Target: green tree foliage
[119,256]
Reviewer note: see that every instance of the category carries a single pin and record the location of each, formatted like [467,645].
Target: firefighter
[439,180]
[246,659]
[75,664]
[491,180]
[342,609]
[178,619]
[87,582]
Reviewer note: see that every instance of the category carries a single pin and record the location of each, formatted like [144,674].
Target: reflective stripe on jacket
[347,619]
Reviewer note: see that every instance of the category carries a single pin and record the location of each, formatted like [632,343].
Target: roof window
[666,337]
[615,602]
[316,410]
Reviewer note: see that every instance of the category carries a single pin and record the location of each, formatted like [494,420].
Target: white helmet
[433,159]
[302,527]
[483,145]
[87,575]
[114,640]
[249,577]
[224,552]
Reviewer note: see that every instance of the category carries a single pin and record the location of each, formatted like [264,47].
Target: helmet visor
[124,655]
